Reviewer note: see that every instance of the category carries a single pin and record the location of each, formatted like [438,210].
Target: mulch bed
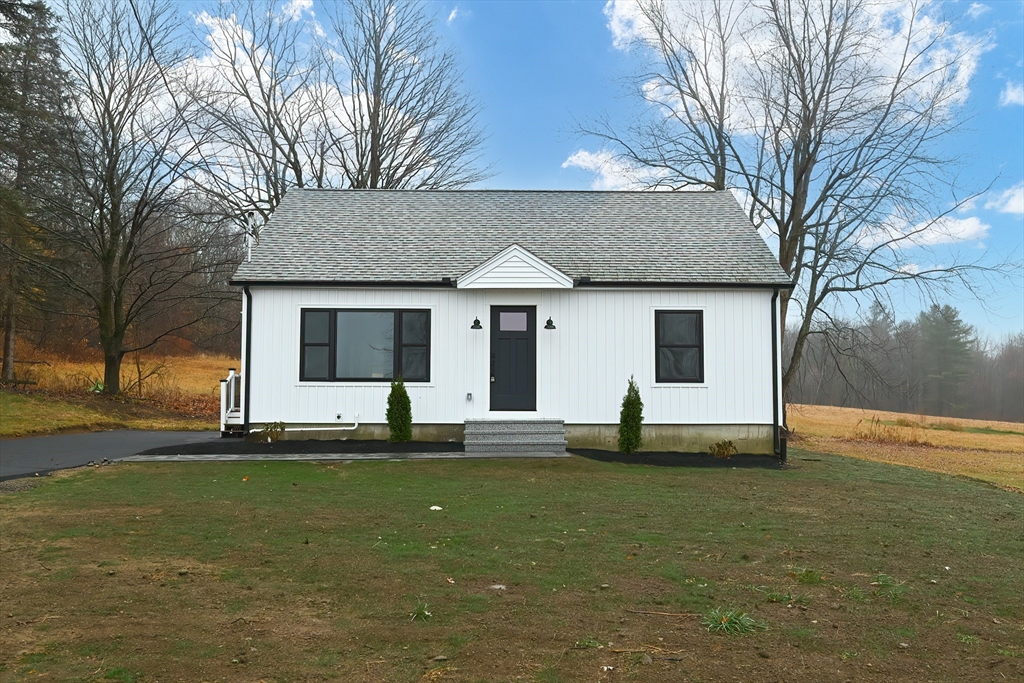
[671,459]
[235,446]
[229,446]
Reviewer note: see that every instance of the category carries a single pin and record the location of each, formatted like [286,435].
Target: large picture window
[679,346]
[365,345]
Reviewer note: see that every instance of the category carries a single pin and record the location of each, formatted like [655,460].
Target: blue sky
[537,67]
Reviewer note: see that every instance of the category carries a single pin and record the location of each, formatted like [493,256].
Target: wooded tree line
[932,365]
[137,157]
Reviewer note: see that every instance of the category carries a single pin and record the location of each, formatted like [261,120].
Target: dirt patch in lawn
[532,570]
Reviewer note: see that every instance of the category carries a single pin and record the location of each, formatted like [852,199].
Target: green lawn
[860,571]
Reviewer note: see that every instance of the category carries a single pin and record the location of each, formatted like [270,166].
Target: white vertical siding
[602,337]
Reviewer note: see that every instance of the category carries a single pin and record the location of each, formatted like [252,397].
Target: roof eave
[451,283]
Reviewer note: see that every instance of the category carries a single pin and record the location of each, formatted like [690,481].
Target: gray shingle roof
[369,236]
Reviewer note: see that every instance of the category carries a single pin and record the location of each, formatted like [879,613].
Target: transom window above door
[360,345]
[512,321]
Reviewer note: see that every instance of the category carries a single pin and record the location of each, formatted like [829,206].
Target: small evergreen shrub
[631,419]
[399,413]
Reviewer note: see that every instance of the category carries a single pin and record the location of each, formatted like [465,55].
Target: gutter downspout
[248,357]
[776,435]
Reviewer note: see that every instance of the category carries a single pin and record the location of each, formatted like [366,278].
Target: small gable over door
[515,268]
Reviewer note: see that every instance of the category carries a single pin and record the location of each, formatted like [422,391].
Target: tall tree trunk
[10,311]
[111,340]
[112,355]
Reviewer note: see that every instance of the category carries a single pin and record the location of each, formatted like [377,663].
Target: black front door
[513,358]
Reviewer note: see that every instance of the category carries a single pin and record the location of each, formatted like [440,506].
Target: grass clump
[421,613]
[122,675]
[875,429]
[399,413]
[889,587]
[631,419]
[731,622]
[587,643]
[784,597]
[808,576]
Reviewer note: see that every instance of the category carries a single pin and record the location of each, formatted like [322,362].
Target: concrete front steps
[515,436]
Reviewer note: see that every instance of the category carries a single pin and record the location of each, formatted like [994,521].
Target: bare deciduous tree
[259,99]
[371,100]
[825,116]
[402,120]
[121,234]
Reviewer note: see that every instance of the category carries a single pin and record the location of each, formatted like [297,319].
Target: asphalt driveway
[40,454]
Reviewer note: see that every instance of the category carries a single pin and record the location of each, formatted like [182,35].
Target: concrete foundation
[373,432]
[753,439]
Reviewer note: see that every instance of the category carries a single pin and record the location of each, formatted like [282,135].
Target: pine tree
[946,343]
[631,420]
[399,413]
[31,101]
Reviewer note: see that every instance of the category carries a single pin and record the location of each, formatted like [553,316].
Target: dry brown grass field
[197,375]
[175,392]
[983,449]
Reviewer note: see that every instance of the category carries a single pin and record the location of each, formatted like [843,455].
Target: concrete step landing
[512,436]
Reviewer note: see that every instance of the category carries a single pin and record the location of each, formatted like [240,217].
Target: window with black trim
[364,345]
[679,346]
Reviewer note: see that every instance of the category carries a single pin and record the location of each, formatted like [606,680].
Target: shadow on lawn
[671,459]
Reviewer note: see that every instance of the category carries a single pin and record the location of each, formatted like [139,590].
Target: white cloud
[293,9]
[1009,201]
[453,15]
[609,172]
[888,27]
[945,230]
[625,21]
[1013,93]
[910,268]
[977,9]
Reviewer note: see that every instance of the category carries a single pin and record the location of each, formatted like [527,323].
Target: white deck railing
[231,402]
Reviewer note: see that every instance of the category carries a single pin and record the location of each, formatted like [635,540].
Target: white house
[512,313]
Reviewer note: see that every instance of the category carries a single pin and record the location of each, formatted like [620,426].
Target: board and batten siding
[602,337]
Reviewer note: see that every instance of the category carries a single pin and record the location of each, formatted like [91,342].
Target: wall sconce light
[476,324]
[550,325]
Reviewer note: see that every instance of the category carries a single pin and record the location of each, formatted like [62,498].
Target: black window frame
[399,344]
[658,379]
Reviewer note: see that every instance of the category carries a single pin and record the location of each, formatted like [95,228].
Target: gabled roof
[430,237]
[514,268]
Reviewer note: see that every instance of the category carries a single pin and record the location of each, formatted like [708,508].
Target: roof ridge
[383,190]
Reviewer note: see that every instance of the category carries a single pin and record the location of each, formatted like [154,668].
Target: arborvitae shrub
[631,419]
[399,413]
